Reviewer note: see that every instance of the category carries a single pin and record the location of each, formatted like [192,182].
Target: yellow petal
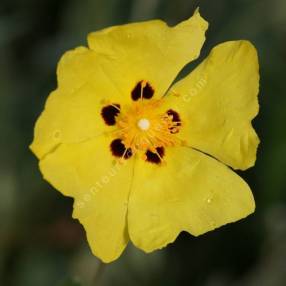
[120,57]
[149,51]
[191,192]
[218,100]
[100,186]
[73,112]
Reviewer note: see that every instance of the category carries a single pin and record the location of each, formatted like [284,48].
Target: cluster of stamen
[143,127]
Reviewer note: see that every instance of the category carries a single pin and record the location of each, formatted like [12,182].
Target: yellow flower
[143,160]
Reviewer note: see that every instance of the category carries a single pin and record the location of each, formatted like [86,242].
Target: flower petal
[87,172]
[73,111]
[149,51]
[218,100]
[191,192]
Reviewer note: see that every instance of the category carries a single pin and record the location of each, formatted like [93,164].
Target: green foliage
[39,242]
[69,282]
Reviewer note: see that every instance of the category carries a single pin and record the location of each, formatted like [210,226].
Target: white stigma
[143,124]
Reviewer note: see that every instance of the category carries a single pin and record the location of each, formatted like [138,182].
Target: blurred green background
[40,244]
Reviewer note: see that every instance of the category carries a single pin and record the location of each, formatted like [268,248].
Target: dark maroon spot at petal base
[153,157]
[175,118]
[118,149]
[147,91]
[175,115]
[109,113]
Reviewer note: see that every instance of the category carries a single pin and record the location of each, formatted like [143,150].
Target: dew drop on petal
[209,199]
[57,135]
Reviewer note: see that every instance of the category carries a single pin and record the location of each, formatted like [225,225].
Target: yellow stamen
[143,127]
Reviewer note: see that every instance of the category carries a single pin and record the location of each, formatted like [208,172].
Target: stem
[98,274]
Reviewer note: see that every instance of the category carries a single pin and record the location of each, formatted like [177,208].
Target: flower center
[143,127]
[143,124]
